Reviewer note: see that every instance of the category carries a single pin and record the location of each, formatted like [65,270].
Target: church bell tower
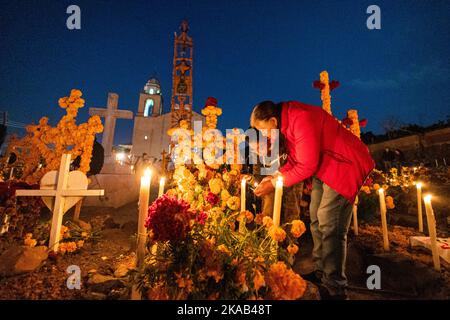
[150,99]
[182,99]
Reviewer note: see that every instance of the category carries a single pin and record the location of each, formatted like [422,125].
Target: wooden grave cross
[60,190]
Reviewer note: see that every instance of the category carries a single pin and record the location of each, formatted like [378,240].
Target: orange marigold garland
[41,149]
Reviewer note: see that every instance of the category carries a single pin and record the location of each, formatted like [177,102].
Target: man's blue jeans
[330,220]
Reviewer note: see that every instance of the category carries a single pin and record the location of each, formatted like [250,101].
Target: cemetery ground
[406,273]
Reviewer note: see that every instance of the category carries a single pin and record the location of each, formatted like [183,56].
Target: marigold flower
[267,221]
[365,189]
[277,233]
[390,202]
[215,185]
[297,228]
[284,283]
[259,218]
[234,203]
[292,249]
[376,186]
[225,195]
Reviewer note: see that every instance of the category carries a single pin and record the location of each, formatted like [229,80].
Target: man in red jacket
[318,146]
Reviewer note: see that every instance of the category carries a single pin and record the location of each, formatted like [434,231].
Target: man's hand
[265,187]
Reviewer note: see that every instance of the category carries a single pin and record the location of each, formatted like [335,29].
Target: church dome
[152,86]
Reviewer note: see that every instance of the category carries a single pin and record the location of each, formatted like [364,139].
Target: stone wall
[426,148]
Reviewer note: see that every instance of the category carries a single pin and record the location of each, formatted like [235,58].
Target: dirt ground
[116,246]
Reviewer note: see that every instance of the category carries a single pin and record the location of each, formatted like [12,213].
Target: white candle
[277,201]
[162,182]
[11,173]
[243,207]
[437,165]
[432,231]
[445,162]
[383,219]
[419,205]
[144,196]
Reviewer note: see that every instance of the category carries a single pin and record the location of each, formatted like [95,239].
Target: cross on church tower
[111,113]
[181,102]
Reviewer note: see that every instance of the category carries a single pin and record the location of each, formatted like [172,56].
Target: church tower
[181,102]
[150,99]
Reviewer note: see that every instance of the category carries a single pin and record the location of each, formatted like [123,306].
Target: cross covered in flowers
[325,87]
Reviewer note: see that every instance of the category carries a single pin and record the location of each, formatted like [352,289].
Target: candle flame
[280,179]
[381,190]
[419,185]
[147,172]
[427,198]
[162,180]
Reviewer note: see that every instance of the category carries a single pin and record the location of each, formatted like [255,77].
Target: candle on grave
[162,182]
[431,221]
[277,201]
[437,164]
[419,205]
[243,207]
[383,219]
[144,196]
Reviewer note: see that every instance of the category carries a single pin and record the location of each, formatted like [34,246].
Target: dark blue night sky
[245,52]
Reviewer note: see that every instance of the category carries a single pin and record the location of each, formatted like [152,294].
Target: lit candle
[383,219]
[355,216]
[419,205]
[242,219]
[144,196]
[162,181]
[431,221]
[277,201]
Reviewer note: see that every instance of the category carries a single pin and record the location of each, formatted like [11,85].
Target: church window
[152,91]
[148,107]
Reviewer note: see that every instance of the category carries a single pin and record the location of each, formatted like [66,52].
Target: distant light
[120,156]
[145,137]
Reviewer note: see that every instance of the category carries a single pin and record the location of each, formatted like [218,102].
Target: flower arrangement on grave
[73,237]
[40,150]
[197,252]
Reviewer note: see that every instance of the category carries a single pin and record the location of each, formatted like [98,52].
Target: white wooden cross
[60,190]
[111,113]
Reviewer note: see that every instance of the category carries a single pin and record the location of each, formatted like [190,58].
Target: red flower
[169,218]
[201,217]
[347,121]
[318,85]
[334,84]
[212,198]
[363,123]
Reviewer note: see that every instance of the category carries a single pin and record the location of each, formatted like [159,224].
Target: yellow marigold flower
[225,195]
[385,187]
[277,233]
[28,236]
[376,186]
[84,234]
[284,283]
[215,185]
[258,280]
[80,243]
[298,228]
[158,292]
[292,249]
[75,93]
[365,189]
[267,221]
[390,202]
[234,203]
[30,242]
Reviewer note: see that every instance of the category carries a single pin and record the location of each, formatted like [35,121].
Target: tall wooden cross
[60,190]
[111,113]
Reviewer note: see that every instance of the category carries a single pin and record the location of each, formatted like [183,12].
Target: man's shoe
[314,277]
[326,295]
